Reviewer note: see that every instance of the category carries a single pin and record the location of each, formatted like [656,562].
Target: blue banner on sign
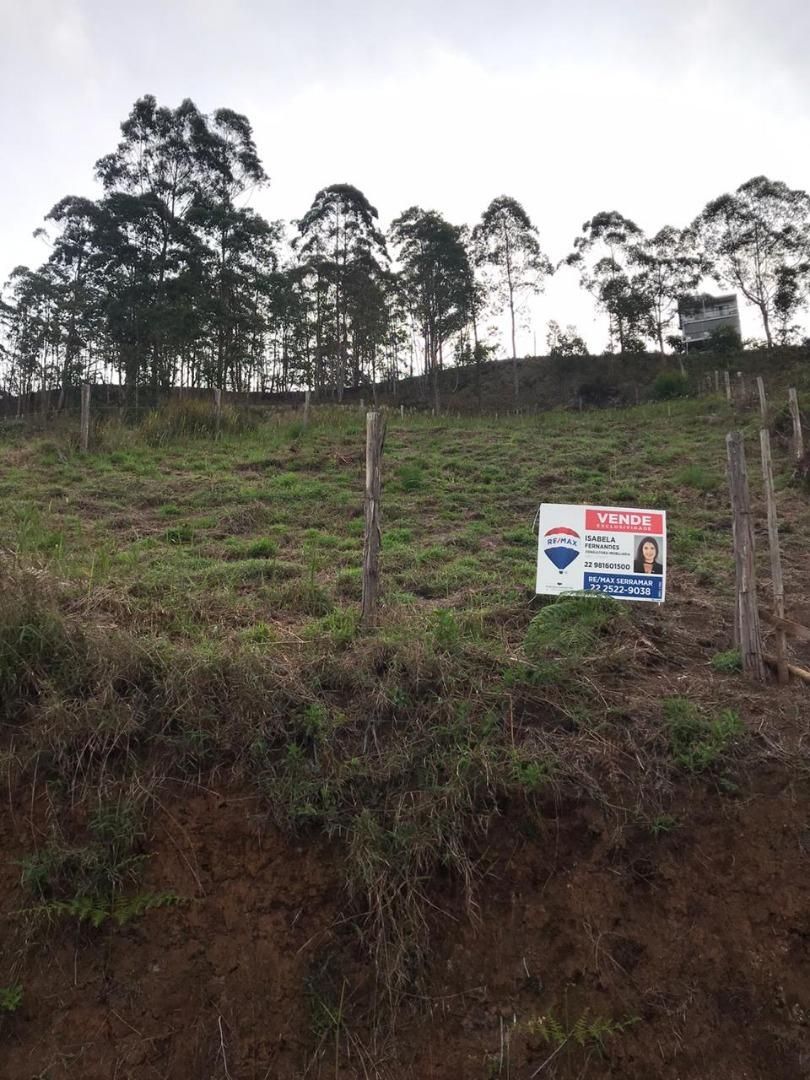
[639,586]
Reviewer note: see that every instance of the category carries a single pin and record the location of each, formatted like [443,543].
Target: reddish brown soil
[702,934]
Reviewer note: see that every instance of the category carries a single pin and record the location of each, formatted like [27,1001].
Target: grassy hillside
[497,836]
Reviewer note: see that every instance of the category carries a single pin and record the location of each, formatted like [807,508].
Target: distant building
[700,315]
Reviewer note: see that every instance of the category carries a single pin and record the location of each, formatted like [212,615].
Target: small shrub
[669,385]
[695,476]
[571,627]
[663,823]
[339,627]
[727,662]
[411,477]
[265,548]
[10,998]
[446,632]
[259,634]
[180,534]
[696,741]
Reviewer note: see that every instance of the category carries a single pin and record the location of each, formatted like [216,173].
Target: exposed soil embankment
[698,932]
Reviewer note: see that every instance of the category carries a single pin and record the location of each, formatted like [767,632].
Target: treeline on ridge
[170,277]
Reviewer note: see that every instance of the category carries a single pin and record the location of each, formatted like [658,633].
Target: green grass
[171,606]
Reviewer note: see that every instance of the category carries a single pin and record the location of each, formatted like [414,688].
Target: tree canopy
[170,277]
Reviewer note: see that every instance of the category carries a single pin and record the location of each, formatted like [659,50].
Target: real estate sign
[617,550]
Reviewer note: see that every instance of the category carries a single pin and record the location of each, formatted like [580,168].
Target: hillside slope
[495,837]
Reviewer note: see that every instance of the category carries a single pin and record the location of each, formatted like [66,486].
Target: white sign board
[617,550]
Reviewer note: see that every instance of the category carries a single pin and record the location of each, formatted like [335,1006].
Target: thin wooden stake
[717,382]
[741,389]
[763,400]
[727,381]
[85,421]
[218,408]
[776,557]
[796,416]
[375,437]
[306,406]
[747,612]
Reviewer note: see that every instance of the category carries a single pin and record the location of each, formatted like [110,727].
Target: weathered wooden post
[727,381]
[306,406]
[741,389]
[796,417]
[777,580]
[218,411]
[747,629]
[375,437]
[717,382]
[402,412]
[85,421]
[763,400]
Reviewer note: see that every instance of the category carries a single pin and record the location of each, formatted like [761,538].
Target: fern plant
[98,910]
[586,1031]
[10,998]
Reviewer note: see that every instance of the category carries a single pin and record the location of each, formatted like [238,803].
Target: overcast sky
[649,107]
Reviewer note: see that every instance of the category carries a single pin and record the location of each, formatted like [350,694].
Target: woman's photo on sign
[648,558]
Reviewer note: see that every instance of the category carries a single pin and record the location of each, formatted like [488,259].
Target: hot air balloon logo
[561,545]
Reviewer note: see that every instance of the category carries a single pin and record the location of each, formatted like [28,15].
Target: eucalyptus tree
[34,332]
[437,278]
[340,243]
[507,245]
[602,254]
[78,272]
[757,240]
[567,342]
[666,270]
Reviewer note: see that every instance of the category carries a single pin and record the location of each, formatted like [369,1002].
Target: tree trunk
[766,324]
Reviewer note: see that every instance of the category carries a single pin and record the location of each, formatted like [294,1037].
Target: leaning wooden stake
[85,423]
[776,557]
[763,400]
[798,439]
[375,437]
[218,409]
[727,381]
[746,612]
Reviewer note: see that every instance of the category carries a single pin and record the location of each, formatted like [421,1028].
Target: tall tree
[437,278]
[601,255]
[755,238]
[340,240]
[666,271]
[507,243]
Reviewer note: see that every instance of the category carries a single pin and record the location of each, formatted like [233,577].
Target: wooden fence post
[375,437]
[306,406]
[402,412]
[741,389]
[798,439]
[218,409]
[85,421]
[727,381]
[777,580]
[763,400]
[717,382]
[746,611]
